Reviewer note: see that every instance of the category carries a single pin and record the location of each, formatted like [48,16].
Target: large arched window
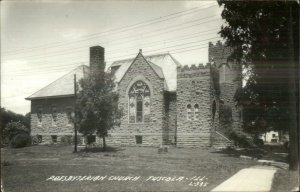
[139,103]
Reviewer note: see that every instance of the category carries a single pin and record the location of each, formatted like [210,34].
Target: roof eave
[49,97]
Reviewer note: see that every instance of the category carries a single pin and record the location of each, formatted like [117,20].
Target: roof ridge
[59,79]
[131,58]
[175,60]
[154,64]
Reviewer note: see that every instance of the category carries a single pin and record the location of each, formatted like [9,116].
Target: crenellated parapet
[219,52]
[193,70]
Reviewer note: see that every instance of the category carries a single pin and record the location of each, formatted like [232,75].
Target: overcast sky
[43,40]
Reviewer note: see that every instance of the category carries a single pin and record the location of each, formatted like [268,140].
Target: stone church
[164,103]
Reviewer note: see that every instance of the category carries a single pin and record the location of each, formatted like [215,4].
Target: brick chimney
[97,63]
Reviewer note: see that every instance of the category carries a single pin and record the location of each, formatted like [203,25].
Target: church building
[164,103]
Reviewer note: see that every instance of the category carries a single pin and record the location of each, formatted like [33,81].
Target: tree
[13,129]
[8,116]
[97,105]
[265,36]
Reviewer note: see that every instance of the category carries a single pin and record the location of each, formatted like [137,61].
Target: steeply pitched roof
[164,65]
[161,63]
[64,86]
[157,69]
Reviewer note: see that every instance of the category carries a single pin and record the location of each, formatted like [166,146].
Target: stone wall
[151,131]
[193,87]
[230,81]
[170,118]
[48,126]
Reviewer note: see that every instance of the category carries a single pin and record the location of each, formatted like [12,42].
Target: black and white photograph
[123,95]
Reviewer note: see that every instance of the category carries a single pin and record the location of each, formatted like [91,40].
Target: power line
[170,29]
[116,57]
[190,36]
[10,97]
[42,57]
[170,47]
[115,29]
[184,49]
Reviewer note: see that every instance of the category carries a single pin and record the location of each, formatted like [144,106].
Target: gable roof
[63,86]
[157,69]
[163,64]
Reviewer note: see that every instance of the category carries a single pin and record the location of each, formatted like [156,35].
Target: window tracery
[139,102]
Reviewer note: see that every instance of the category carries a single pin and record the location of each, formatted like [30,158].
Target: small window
[69,116]
[273,135]
[196,111]
[189,112]
[54,116]
[91,139]
[40,116]
[54,138]
[139,139]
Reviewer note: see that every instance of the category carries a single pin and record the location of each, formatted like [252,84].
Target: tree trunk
[293,133]
[104,143]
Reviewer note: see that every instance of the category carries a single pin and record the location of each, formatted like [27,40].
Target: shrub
[36,139]
[258,142]
[66,139]
[91,139]
[225,115]
[241,140]
[20,140]
[14,128]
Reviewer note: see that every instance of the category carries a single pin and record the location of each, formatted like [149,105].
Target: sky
[43,40]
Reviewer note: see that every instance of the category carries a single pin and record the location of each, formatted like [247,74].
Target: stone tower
[229,81]
[193,106]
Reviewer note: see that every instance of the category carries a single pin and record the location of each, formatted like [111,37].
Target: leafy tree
[8,116]
[14,128]
[265,36]
[97,105]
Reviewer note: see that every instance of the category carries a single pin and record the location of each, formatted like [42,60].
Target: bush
[14,128]
[258,142]
[66,139]
[241,140]
[20,140]
[91,139]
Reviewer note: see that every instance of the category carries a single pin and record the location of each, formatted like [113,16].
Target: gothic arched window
[139,103]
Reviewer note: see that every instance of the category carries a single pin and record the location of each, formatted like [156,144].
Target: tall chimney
[97,64]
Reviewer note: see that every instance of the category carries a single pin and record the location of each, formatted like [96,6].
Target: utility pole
[75,115]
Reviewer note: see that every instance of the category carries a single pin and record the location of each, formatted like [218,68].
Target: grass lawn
[184,169]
